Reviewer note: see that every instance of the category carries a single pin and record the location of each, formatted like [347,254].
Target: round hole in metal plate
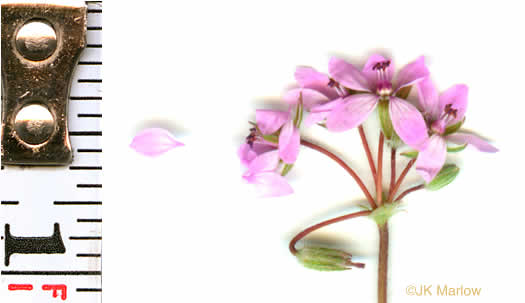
[36,40]
[34,124]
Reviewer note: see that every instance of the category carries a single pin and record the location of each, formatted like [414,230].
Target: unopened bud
[326,259]
[445,176]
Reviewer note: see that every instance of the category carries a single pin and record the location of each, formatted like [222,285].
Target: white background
[184,227]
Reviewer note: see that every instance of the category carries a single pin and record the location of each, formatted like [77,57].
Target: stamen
[384,87]
[252,137]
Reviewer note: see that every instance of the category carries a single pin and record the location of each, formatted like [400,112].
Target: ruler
[51,216]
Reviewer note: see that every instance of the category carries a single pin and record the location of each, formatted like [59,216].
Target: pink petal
[371,74]
[289,143]
[352,112]
[246,154]
[269,121]
[154,142]
[457,96]
[348,75]
[314,118]
[412,73]
[320,112]
[270,184]
[428,98]
[431,159]
[471,139]
[308,77]
[408,122]
[264,163]
[310,97]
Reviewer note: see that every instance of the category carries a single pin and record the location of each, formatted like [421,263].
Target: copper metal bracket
[41,45]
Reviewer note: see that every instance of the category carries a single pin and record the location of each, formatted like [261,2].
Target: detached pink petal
[352,112]
[430,160]
[408,123]
[412,73]
[348,75]
[270,184]
[310,97]
[289,143]
[154,142]
[269,121]
[429,98]
[264,163]
[471,139]
[371,74]
[457,97]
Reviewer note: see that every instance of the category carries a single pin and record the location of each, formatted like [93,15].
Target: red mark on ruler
[55,289]
[20,287]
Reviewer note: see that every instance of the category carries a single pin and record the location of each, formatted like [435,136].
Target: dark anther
[381,65]
[332,83]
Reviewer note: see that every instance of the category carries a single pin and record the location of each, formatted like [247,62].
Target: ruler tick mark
[89,185]
[89,220]
[77,202]
[85,167]
[85,238]
[10,202]
[49,273]
[89,255]
[85,133]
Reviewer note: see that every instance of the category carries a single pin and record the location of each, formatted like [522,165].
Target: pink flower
[153,142]
[375,82]
[441,112]
[318,93]
[271,121]
[263,170]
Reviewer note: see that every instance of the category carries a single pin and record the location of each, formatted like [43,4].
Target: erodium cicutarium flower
[271,149]
[444,115]
[374,84]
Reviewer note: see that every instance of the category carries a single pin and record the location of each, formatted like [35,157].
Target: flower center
[384,86]
[449,114]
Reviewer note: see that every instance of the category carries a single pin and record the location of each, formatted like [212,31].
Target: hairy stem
[310,229]
[382,271]
[344,165]
[367,150]
[412,189]
[400,180]
[379,180]
[392,169]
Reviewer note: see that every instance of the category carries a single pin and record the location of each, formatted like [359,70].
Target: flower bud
[445,176]
[325,259]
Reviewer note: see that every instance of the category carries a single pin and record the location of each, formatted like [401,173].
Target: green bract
[383,213]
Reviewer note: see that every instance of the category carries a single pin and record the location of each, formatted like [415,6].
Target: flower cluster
[343,99]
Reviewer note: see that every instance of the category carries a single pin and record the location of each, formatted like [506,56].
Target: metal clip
[41,45]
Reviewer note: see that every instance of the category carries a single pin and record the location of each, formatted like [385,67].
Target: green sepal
[382,214]
[286,169]
[384,118]
[456,148]
[299,113]
[387,128]
[453,128]
[445,176]
[271,138]
[404,92]
[410,154]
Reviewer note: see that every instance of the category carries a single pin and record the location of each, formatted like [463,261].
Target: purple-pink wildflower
[374,84]
[442,111]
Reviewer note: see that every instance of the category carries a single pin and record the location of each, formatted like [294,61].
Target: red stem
[367,150]
[310,229]
[400,180]
[382,281]
[406,192]
[345,166]
[392,169]
[379,181]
